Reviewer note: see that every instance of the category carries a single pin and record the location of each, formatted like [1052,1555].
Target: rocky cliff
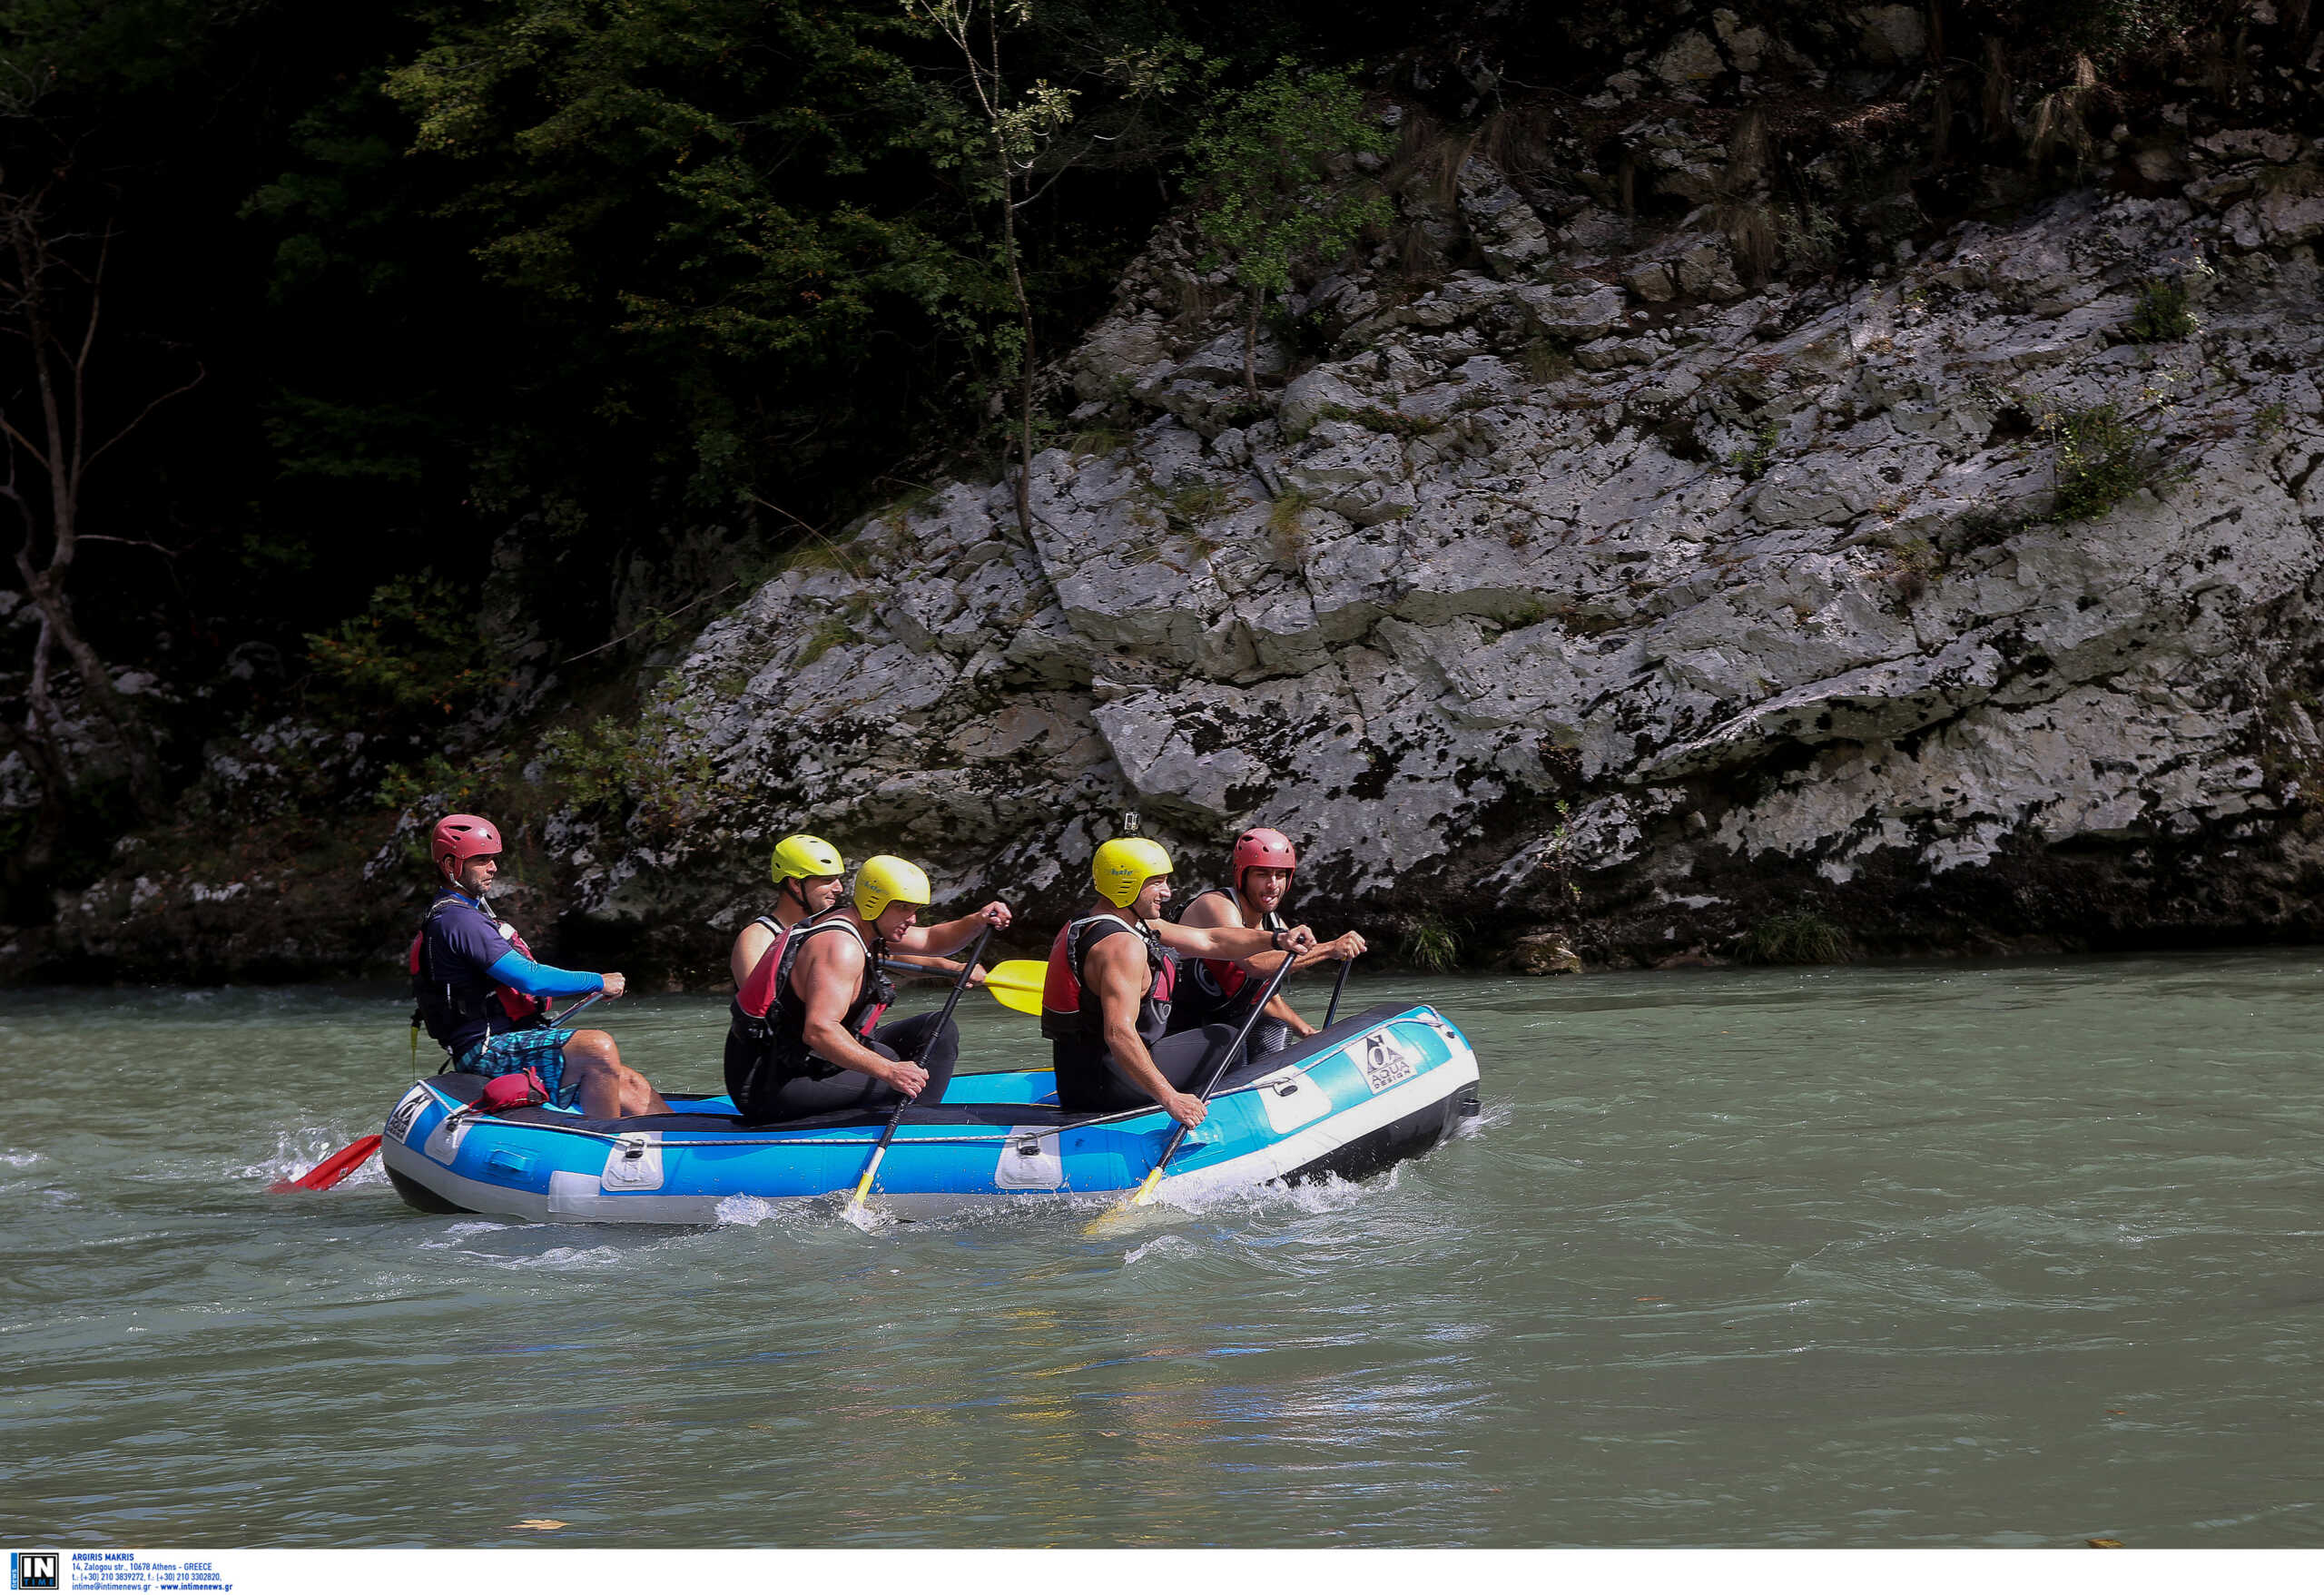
[1600,554]
[1971,603]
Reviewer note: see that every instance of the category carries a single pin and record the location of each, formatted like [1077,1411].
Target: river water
[2005,1254]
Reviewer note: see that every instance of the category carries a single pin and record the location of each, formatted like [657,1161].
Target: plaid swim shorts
[520,1050]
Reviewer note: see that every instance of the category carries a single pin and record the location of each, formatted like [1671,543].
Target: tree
[1014,130]
[52,302]
[1267,198]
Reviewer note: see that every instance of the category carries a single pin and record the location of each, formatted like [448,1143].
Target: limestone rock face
[1629,615]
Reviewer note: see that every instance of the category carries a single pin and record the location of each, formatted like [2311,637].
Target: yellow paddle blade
[1137,1199]
[1018,983]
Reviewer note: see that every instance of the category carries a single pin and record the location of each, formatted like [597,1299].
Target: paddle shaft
[1234,1052]
[557,1021]
[1337,987]
[951,1001]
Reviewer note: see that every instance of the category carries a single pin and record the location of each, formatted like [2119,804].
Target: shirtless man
[1219,990]
[1105,1003]
[825,1050]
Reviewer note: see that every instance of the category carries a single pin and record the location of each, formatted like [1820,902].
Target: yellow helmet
[1123,866]
[885,879]
[806,858]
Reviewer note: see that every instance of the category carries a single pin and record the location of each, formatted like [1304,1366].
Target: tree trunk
[63,452]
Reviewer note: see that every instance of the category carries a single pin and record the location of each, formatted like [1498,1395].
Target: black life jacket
[777,1051]
[1065,1017]
[448,1002]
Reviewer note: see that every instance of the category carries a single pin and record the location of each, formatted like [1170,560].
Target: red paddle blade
[330,1171]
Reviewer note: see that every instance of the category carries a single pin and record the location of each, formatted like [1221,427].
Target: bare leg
[605,1087]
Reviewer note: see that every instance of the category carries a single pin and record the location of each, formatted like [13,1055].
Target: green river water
[1971,1253]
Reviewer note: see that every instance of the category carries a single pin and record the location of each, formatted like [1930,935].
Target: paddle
[354,1156]
[1144,1195]
[330,1171]
[951,1001]
[1015,984]
[1337,987]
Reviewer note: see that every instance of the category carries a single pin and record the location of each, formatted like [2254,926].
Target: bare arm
[1116,970]
[1223,941]
[953,934]
[751,944]
[829,973]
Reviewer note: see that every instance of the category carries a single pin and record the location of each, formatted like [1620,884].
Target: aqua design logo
[35,1570]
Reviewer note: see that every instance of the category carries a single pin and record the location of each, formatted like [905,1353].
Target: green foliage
[2162,315]
[1431,942]
[2100,459]
[1810,237]
[702,181]
[416,647]
[1545,362]
[1192,503]
[830,633]
[1260,166]
[1287,530]
[1800,937]
[436,777]
[2105,30]
[1753,461]
[629,770]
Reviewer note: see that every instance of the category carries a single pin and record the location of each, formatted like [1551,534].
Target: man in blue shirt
[485,1000]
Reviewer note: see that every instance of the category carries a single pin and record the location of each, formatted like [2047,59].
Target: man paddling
[482,997]
[1219,990]
[821,1051]
[1112,974]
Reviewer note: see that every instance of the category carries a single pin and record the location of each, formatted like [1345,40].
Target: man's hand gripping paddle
[1144,1195]
[855,1207]
[351,1158]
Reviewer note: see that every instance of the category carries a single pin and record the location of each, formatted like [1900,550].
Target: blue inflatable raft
[1386,1085]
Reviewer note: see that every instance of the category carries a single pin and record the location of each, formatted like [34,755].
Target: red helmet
[1262,849]
[461,837]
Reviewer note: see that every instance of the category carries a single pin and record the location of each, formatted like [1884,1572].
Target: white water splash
[748,1210]
[1161,1245]
[19,1159]
[455,1233]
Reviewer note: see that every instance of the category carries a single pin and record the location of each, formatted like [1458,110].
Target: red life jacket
[1063,1017]
[439,1013]
[757,994]
[1222,978]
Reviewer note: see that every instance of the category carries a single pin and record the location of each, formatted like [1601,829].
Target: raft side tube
[1381,1086]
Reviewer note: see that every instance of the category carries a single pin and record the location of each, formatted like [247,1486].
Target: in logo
[33,1569]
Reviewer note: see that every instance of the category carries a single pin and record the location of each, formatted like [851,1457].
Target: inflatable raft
[1386,1085]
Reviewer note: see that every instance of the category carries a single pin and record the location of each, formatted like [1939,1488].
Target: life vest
[749,1068]
[445,1005]
[776,1051]
[1063,1016]
[1220,980]
[757,994]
